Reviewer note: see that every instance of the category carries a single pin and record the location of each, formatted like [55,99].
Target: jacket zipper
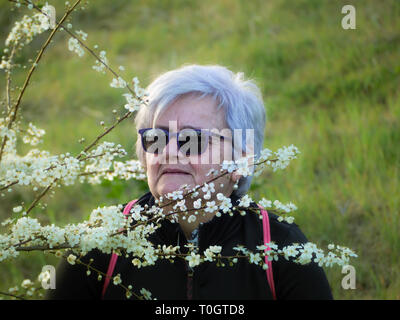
[189,286]
[190,272]
[189,278]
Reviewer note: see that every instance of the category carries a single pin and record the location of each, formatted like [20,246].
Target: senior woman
[189,128]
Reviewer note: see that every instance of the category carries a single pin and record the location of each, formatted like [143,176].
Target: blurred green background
[331,92]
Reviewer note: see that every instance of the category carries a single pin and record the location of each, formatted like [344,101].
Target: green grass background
[331,92]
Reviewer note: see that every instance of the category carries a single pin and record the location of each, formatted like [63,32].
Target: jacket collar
[210,233]
[149,199]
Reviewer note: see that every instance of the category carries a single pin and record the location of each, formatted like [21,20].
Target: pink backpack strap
[114,256]
[267,239]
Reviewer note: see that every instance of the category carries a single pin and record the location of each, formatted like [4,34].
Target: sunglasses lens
[192,142]
[154,140]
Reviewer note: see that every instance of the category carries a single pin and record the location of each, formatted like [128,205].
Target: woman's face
[189,111]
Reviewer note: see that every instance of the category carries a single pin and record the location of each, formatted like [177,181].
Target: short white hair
[241,99]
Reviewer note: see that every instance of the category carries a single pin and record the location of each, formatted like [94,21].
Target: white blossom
[284,207]
[284,156]
[181,205]
[74,46]
[146,294]
[139,92]
[132,104]
[225,204]
[290,251]
[71,259]
[193,259]
[117,279]
[255,258]
[82,34]
[25,228]
[26,283]
[118,83]
[175,195]
[44,276]
[17,209]
[197,204]
[208,187]
[25,30]
[245,201]
[136,212]
[265,154]
[211,207]
[243,166]
[100,65]
[33,135]
[265,203]
[228,165]
[54,235]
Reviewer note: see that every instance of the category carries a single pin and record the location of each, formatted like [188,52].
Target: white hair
[241,99]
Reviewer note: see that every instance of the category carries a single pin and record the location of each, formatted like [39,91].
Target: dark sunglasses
[189,141]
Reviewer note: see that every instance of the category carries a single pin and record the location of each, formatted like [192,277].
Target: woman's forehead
[189,112]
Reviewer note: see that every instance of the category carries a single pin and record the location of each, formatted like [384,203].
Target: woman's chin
[171,187]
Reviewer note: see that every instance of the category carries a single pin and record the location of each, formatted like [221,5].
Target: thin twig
[126,115]
[12,295]
[33,68]
[9,83]
[9,185]
[33,204]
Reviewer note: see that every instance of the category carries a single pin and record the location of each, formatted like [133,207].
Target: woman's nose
[171,150]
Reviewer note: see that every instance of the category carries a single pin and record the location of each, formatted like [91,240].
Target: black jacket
[166,280]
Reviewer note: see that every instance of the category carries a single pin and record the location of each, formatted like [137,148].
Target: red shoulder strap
[114,256]
[267,239]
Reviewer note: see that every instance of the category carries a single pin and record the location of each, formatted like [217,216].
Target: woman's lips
[175,173]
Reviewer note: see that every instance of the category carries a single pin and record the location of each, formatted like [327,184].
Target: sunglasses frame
[176,134]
